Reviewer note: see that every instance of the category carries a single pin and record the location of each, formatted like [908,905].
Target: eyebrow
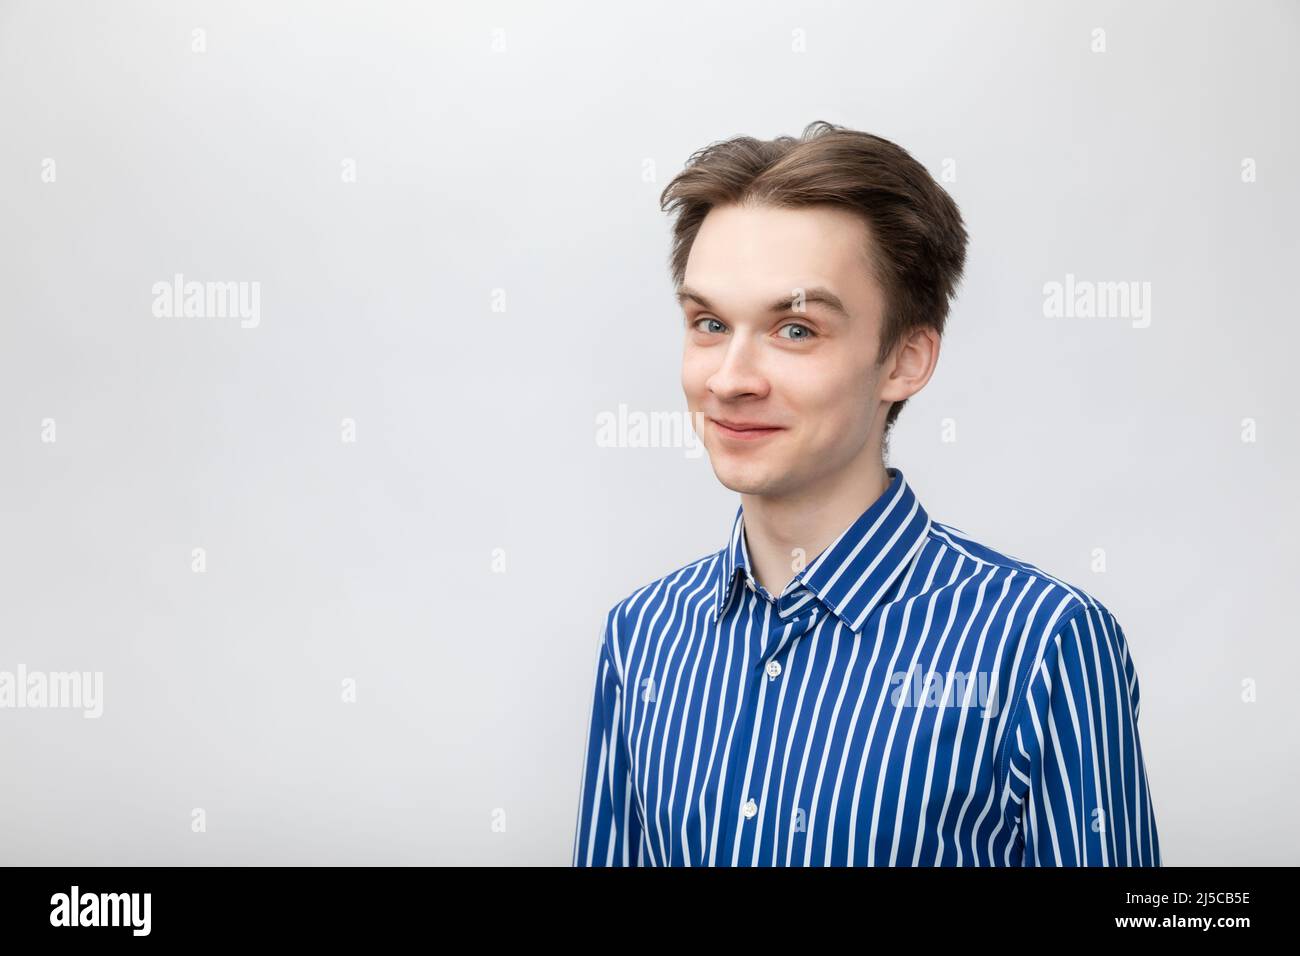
[816,293]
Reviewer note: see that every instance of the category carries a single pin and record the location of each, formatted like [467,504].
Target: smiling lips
[744,431]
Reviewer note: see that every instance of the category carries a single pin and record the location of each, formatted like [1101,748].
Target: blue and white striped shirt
[912,698]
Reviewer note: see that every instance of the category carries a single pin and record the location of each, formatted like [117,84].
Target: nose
[739,374]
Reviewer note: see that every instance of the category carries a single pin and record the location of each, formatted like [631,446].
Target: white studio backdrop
[340,548]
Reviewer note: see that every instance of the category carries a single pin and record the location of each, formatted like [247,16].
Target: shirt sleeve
[1075,765]
[608,831]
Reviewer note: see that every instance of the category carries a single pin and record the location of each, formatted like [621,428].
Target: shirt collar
[854,573]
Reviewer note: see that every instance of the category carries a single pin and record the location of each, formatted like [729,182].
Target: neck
[785,534]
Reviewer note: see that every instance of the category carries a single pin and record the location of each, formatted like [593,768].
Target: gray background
[535,169]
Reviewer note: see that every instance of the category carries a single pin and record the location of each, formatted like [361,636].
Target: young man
[847,681]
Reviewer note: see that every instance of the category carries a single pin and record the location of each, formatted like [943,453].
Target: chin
[745,478]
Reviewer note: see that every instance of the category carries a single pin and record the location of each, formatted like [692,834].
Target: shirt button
[751,808]
[774,669]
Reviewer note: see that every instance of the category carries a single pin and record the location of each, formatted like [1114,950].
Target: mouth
[744,431]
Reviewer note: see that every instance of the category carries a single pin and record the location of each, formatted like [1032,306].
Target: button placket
[752,717]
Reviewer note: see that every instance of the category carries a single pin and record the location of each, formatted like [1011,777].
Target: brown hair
[919,245]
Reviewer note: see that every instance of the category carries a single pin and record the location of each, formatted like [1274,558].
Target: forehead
[754,251]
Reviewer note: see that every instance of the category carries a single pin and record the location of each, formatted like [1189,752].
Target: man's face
[810,375]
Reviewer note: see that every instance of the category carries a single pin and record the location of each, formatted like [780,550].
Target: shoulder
[643,608]
[1057,610]
[1063,639]
[694,577]
[1065,598]
[1070,635]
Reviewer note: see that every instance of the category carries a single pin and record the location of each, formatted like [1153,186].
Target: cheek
[695,372]
[834,402]
[821,389]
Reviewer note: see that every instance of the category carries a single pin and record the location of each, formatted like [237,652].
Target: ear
[910,365]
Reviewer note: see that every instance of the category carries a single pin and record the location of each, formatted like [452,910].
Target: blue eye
[808,333]
[719,325]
